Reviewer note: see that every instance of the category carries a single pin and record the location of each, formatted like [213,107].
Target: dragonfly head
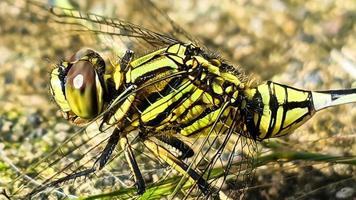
[77,85]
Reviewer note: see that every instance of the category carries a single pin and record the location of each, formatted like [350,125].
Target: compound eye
[83,90]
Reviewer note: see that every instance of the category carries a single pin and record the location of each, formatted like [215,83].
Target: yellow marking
[136,121]
[229,89]
[215,62]
[264,125]
[217,88]
[118,77]
[94,60]
[56,90]
[193,63]
[65,64]
[294,126]
[203,76]
[185,105]
[256,117]
[293,115]
[231,78]
[192,113]
[296,95]
[204,63]
[217,85]
[216,101]
[128,75]
[84,58]
[155,64]
[280,93]
[122,110]
[178,59]
[250,93]
[159,106]
[235,94]
[267,114]
[207,98]
[177,49]
[201,123]
[140,60]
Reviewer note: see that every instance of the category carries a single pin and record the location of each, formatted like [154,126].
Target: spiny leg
[178,164]
[185,150]
[140,183]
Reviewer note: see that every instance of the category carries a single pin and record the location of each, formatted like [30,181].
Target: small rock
[34,119]
[64,127]
[345,192]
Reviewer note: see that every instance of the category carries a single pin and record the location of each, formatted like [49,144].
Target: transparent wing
[225,158]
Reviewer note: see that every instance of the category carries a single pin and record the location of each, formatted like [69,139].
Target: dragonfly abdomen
[273,109]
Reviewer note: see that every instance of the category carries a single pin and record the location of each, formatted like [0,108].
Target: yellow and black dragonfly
[177,107]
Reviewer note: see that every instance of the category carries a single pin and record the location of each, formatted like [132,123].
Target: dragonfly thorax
[178,88]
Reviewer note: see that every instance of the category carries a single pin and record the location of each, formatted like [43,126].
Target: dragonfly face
[77,86]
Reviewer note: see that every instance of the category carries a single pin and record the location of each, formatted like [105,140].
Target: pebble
[345,193]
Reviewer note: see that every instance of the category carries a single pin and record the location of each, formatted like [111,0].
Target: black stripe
[191,106]
[287,106]
[226,68]
[161,116]
[259,111]
[273,106]
[284,110]
[206,112]
[292,105]
[335,94]
[153,97]
[297,104]
[254,106]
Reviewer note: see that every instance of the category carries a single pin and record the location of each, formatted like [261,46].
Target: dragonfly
[179,105]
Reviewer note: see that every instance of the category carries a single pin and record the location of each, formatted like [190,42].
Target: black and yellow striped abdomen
[274,110]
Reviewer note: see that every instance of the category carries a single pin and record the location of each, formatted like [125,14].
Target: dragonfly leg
[185,150]
[109,148]
[140,183]
[178,165]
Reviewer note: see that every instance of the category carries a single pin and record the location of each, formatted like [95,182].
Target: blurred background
[310,45]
